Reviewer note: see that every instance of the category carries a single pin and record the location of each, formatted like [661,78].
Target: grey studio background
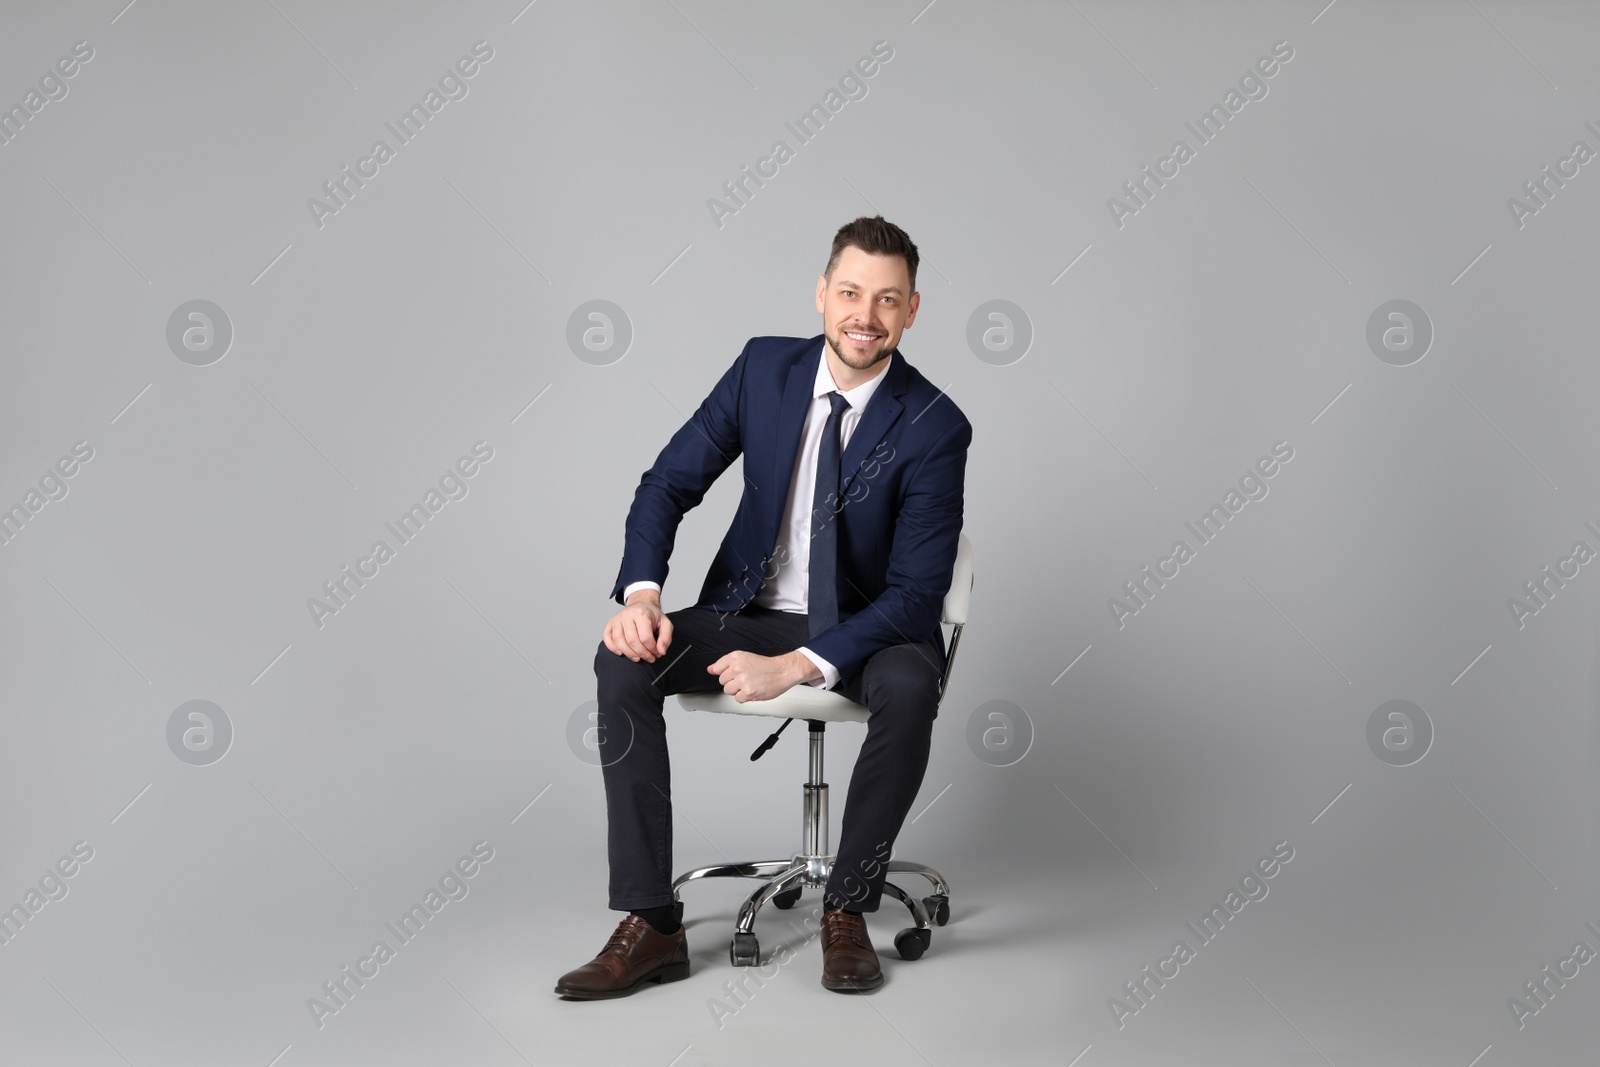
[1146,357]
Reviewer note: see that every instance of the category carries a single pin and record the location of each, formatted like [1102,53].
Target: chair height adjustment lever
[769,742]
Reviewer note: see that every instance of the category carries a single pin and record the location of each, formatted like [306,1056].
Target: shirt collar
[857,397]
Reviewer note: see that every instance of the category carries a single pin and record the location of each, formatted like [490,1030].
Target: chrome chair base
[784,880]
[788,878]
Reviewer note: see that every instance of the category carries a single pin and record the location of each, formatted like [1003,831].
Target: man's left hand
[746,676]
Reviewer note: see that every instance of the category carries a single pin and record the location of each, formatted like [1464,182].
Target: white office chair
[786,878]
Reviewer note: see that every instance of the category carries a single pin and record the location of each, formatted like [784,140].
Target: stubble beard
[883,353]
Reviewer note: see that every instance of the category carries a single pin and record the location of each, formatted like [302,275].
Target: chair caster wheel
[911,943]
[786,899]
[938,907]
[744,951]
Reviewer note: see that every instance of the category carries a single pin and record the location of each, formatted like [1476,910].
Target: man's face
[865,305]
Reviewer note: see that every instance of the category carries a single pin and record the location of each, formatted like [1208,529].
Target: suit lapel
[791,421]
[883,410]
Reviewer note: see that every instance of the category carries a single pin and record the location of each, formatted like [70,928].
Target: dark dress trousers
[899,517]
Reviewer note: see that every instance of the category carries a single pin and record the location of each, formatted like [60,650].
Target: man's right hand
[641,630]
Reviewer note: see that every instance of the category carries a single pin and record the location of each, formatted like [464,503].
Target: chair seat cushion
[799,702]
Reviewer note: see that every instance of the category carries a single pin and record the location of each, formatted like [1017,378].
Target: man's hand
[746,676]
[640,631]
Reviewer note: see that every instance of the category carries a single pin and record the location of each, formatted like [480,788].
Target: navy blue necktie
[822,594]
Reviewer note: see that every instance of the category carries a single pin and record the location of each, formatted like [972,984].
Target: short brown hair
[878,237]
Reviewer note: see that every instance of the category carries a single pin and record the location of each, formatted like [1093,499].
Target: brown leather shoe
[849,964]
[636,954]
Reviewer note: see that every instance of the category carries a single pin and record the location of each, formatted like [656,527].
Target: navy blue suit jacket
[900,489]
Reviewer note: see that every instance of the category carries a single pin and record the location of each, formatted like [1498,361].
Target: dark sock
[664,918]
[847,911]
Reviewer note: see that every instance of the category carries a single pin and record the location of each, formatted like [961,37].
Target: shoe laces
[625,936]
[838,925]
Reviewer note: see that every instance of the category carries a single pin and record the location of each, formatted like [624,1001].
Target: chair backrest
[959,598]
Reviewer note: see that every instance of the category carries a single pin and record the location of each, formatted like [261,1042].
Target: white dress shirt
[788,589]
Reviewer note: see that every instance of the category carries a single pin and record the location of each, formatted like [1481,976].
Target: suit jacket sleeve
[922,556]
[692,460]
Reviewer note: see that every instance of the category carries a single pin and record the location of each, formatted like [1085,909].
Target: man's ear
[911,309]
[822,287]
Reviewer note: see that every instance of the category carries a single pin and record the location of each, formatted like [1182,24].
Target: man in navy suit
[830,576]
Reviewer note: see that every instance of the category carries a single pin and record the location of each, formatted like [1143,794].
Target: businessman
[833,574]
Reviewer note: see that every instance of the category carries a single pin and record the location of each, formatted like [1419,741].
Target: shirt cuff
[633,587]
[830,673]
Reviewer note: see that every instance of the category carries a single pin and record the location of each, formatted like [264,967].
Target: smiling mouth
[862,338]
